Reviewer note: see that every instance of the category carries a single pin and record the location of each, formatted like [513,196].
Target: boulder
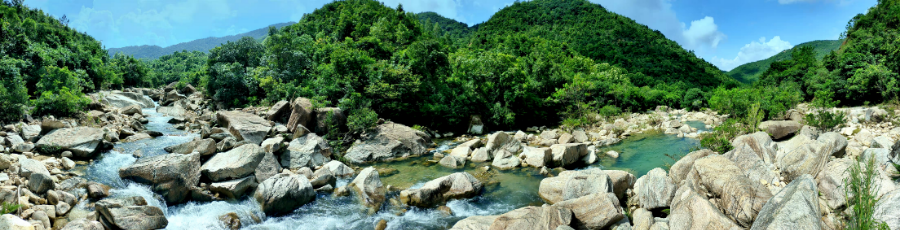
[244,126]
[301,114]
[97,191]
[476,126]
[131,110]
[309,150]
[504,160]
[536,218]
[549,135]
[780,129]
[887,209]
[739,197]
[233,189]
[267,167]
[567,154]
[171,175]
[622,181]
[12,222]
[124,99]
[388,141]
[565,138]
[279,112]
[436,192]
[642,218]
[882,142]
[537,157]
[474,223]
[236,163]
[29,166]
[274,145]
[40,183]
[172,97]
[205,147]
[574,184]
[453,162]
[654,190]
[580,136]
[692,211]
[83,224]
[830,182]
[481,155]
[81,141]
[283,193]
[794,207]
[369,188]
[502,141]
[595,211]
[834,141]
[30,132]
[760,143]
[746,158]
[809,158]
[131,213]
[48,125]
[338,169]
[330,116]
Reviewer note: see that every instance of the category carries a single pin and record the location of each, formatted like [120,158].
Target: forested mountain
[750,72]
[455,31]
[148,52]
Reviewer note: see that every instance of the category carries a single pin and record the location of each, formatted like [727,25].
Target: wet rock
[236,163]
[131,213]
[279,112]
[283,193]
[574,184]
[888,209]
[309,150]
[40,183]
[739,197]
[780,129]
[81,141]
[459,185]
[474,223]
[537,157]
[97,190]
[594,211]
[233,189]
[369,188]
[537,218]
[567,154]
[452,161]
[171,175]
[502,141]
[388,141]
[244,126]
[504,160]
[205,147]
[337,169]
[794,207]
[692,211]
[83,224]
[230,221]
[654,190]
[12,222]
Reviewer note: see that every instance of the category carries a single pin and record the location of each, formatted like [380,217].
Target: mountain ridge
[203,44]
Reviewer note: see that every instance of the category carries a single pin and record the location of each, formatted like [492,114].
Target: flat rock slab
[236,163]
[245,126]
[83,142]
[171,175]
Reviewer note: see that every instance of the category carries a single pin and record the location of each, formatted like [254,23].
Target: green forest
[750,72]
[540,62]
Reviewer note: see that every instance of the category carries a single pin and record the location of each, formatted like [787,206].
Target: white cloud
[754,51]
[703,34]
[446,8]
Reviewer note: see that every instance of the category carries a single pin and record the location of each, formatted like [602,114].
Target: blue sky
[726,33]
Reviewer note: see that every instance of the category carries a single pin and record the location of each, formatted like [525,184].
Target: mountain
[453,30]
[204,45]
[750,72]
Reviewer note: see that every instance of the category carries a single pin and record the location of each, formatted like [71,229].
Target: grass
[861,193]
[7,208]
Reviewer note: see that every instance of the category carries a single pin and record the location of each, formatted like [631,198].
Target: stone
[283,193]
[462,151]
[97,190]
[436,192]
[538,157]
[244,126]
[476,126]
[760,143]
[338,169]
[643,219]
[738,196]
[830,182]
[580,136]
[274,145]
[236,163]
[452,161]
[12,222]
[780,129]
[267,167]
[231,221]
[622,181]
[279,112]
[594,211]
[40,183]
[794,207]
[502,141]
[323,179]
[536,218]
[130,110]
[83,142]
[574,184]
[654,190]
[309,150]
[612,154]
[301,114]
[63,208]
[205,147]
[125,99]
[388,141]
[172,97]
[233,189]
[369,188]
[887,209]
[171,175]
[809,158]
[565,138]
[882,142]
[329,114]
[754,167]
[692,211]
[131,213]
[226,144]
[549,135]
[474,223]
[520,136]
[41,218]
[83,224]
[504,160]
[834,141]
[590,158]
[481,155]
[30,132]
[23,148]
[29,166]
[567,154]
[13,140]
[48,125]
[67,163]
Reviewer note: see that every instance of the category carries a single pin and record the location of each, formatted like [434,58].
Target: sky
[726,33]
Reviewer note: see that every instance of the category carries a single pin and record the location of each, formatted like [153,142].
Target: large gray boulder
[244,126]
[170,175]
[746,158]
[567,154]
[30,132]
[474,223]
[83,142]
[538,157]
[654,190]
[887,209]
[205,147]
[536,218]
[739,197]
[267,167]
[831,180]
[125,99]
[780,129]
[236,163]
[301,115]
[622,181]
[760,143]
[502,141]
[438,191]
[574,184]
[369,188]
[388,141]
[505,160]
[309,150]
[808,158]
[834,141]
[131,213]
[283,193]
[595,211]
[794,207]
[279,112]
[692,211]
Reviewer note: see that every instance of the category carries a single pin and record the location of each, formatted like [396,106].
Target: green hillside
[455,31]
[203,45]
[750,72]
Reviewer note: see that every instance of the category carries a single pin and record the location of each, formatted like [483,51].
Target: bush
[13,94]
[825,120]
[361,120]
[64,104]
[861,194]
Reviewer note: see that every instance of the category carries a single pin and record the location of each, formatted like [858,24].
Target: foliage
[861,194]
[186,67]
[823,119]
[13,94]
[719,140]
[750,72]
[7,208]
[361,120]
[64,103]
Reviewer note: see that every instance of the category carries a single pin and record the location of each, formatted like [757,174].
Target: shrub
[13,94]
[361,120]
[65,103]
[7,208]
[825,120]
[861,194]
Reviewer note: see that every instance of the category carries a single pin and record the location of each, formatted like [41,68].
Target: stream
[506,191]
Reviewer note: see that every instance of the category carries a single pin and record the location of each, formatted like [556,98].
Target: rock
[130,110]
[565,138]
[830,182]
[580,136]
[612,154]
[330,114]
[30,132]
[12,222]
[436,192]
[549,135]
[42,218]
[369,189]
[382,225]
[48,125]
[124,99]
[97,190]
[590,158]
[301,114]
[131,213]
[63,208]
[231,221]
[171,175]
[29,166]
[739,197]
[692,211]
[283,193]
[481,155]
[537,157]
[476,126]
[834,141]
[81,141]
[273,145]
[567,154]
[226,144]
[40,183]
[660,225]
[622,181]
[388,141]
[244,126]
[453,162]
[746,158]
[780,129]
[882,142]
[502,141]
[338,169]
[594,211]
[520,136]
[809,158]
[23,148]
[233,189]
[505,160]
[465,149]
[760,143]
[887,209]
[794,207]
[323,179]
[536,218]
[67,163]
[205,147]
[309,150]
[267,167]
[643,219]
[279,112]
[83,224]
[236,163]
[574,184]
[654,190]
[172,97]
[13,140]
[474,223]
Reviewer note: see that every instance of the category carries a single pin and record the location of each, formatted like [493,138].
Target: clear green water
[641,153]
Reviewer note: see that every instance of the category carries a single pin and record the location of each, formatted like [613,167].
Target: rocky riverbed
[162,158]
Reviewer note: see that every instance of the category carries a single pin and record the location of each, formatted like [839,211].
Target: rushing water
[504,190]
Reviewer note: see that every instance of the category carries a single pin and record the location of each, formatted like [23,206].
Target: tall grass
[861,193]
